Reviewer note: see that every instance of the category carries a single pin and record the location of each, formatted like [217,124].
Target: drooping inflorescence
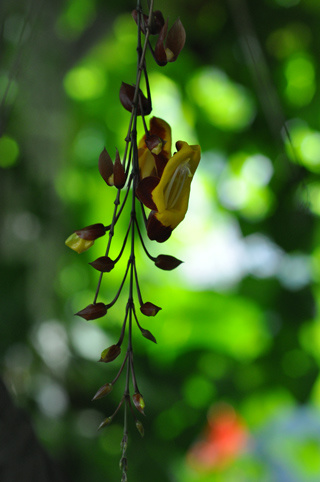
[147,176]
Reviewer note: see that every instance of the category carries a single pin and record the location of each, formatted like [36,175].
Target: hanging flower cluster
[148,176]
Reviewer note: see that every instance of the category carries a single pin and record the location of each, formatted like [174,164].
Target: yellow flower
[78,244]
[165,182]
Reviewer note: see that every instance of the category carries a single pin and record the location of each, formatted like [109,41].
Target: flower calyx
[167,262]
[110,353]
[84,238]
[127,93]
[103,391]
[157,22]
[93,311]
[168,47]
[149,309]
[112,174]
[107,421]
[104,264]
[139,402]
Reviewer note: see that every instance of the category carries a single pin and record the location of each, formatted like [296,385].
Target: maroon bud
[106,167]
[103,264]
[105,423]
[159,51]
[103,391]
[119,175]
[175,41]
[143,23]
[92,312]
[147,334]
[149,309]
[92,232]
[127,96]
[166,262]
[110,354]
[157,22]
[138,402]
[168,51]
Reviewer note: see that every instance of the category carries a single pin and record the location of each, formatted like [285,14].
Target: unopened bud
[147,334]
[149,309]
[105,423]
[167,262]
[175,41]
[110,354]
[92,232]
[92,312]
[140,428]
[106,167]
[103,264]
[103,391]
[138,402]
[119,175]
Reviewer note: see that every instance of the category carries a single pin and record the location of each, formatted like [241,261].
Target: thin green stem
[143,244]
[120,370]
[124,243]
[120,288]
[137,285]
[111,233]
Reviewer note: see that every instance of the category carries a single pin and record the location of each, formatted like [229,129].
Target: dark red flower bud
[159,51]
[103,264]
[119,175]
[105,165]
[157,22]
[175,41]
[149,309]
[110,354]
[147,334]
[168,51]
[103,391]
[92,312]
[138,402]
[92,232]
[127,96]
[105,423]
[166,262]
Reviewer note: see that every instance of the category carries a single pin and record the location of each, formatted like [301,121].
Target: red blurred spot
[224,439]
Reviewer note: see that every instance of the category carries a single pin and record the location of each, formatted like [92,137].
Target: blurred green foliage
[236,364]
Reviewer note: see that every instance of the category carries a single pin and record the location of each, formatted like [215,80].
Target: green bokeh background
[239,326]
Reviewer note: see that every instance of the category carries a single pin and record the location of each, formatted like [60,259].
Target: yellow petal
[171,195]
[78,244]
[146,163]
